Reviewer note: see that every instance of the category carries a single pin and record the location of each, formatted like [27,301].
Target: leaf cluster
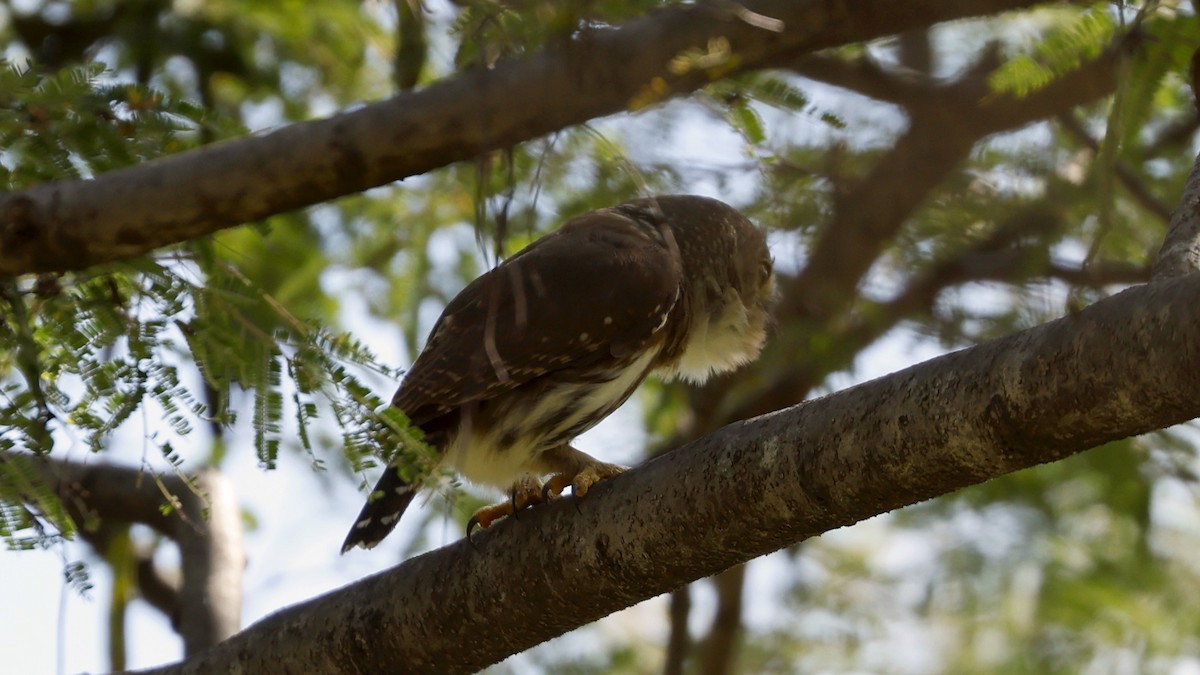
[81,355]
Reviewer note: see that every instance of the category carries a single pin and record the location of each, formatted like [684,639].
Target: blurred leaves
[1059,50]
[92,350]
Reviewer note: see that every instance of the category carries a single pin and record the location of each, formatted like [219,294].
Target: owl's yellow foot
[529,492]
[581,481]
[525,493]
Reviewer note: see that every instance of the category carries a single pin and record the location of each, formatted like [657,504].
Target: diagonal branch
[873,211]
[76,224]
[905,88]
[939,137]
[1127,365]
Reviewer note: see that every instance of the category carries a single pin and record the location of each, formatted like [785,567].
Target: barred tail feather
[385,505]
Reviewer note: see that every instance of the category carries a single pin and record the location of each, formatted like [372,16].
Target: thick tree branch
[210,597]
[1124,366]
[76,224]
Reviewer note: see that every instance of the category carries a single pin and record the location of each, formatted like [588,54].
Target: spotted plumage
[544,346]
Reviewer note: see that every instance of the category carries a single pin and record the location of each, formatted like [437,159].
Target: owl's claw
[471,525]
[524,493]
[528,492]
[580,482]
[512,500]
[483,519]
[553,488]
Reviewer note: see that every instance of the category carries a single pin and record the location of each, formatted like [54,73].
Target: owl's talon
[582,482]
[484,517]
[525,493]
[471,525]
[555,485]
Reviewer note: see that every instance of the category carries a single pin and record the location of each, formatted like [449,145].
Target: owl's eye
[764,271]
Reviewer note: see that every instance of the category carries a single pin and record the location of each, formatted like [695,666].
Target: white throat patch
[719,345]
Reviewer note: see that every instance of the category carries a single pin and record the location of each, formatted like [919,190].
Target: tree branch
[939,137]
[906,88]
[680,641]
[1127,365]
[1133,183]
[210,597]
[879,205]
[719,648]
[76,224]
[159,590]
[205,523]
[1180,252]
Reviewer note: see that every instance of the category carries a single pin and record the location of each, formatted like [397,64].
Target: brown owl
[554,339]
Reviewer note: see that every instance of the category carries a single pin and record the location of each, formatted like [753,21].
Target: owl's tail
[385,505]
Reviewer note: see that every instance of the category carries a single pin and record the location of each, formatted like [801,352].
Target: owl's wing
[595,291]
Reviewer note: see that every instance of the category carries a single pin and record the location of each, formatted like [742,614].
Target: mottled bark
[1127,365]
[76,224]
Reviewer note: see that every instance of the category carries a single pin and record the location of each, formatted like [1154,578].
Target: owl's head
[728,283]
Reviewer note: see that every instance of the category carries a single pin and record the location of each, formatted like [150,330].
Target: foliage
[1059,50]
[93,350]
